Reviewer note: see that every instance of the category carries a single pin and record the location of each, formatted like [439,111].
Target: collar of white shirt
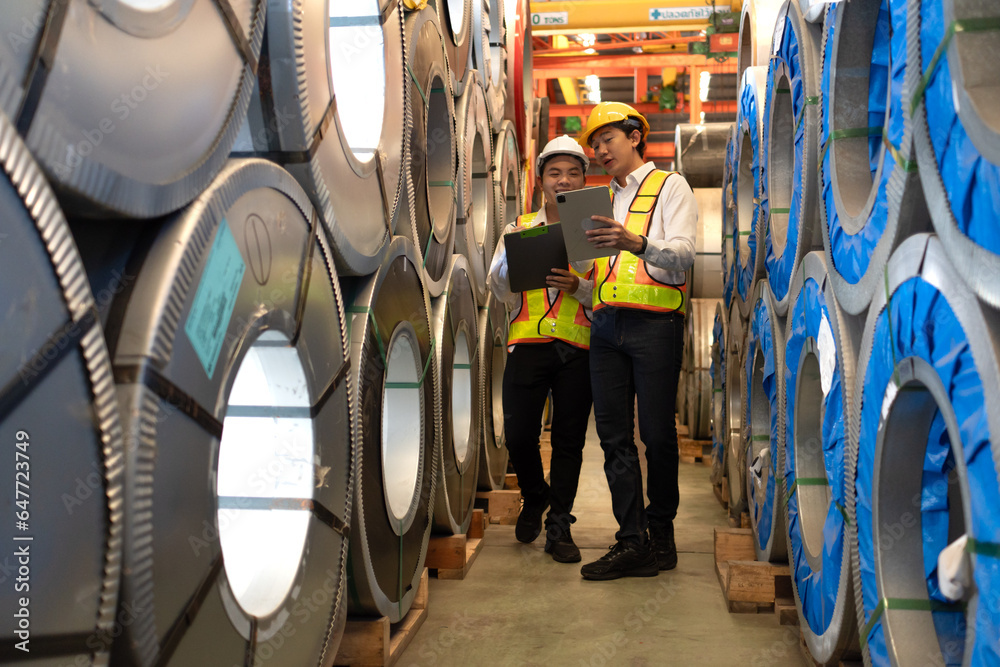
[633,179]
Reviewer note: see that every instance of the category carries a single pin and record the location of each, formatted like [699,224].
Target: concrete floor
[519,607]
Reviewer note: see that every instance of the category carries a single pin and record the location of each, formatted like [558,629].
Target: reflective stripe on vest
[629,284]
[537,323]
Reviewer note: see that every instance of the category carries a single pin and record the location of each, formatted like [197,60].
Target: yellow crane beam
[561,17]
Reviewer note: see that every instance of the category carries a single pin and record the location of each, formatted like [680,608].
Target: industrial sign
[684,13]
[549,18]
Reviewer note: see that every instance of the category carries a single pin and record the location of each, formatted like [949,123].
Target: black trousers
[534,369]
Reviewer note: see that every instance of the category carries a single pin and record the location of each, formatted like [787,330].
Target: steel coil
[736,453]
[870,196]
[455,18]
[720,333]
[700,153]
[520,87]
[952,92]
[821,343]
[705,276]
[791,137]
[698,349]
[814,10]
[751,200]
[433,146]
[475,236]
[757,18]
[395,460]
[457,412]
[730,226]
[764,424]
[336,117]
[507,172]
[492,361]
[490,55]
[151,149]
[59,418]
[922,466]
[231,366]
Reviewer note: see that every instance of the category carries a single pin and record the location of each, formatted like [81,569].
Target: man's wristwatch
[645,242]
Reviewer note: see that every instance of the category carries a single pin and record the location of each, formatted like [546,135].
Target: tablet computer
[532,254]
[575,209]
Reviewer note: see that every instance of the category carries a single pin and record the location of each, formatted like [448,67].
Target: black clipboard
[532,254]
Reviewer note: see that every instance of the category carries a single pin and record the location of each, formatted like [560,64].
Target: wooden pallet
[742,521]
[376,642]
[722,492]
[694,451]
[785,611]
[510,482]
[452,556]
[749,586]
[502,506]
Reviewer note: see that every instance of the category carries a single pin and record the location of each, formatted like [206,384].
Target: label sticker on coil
[215,299]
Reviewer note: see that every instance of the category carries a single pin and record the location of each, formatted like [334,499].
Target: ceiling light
[587,39]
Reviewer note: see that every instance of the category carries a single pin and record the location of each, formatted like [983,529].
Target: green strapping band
[810,101]
[990,549]
[782,90]
[462,366]
[728,236]
[850,133]
[805,481]
[843,512]
[441,184]
[745,233]
[438,89]
[417,84]
[779,211]
[423,376]
[984,24]
[718,391]
[364,310]
[909,166]
[904,604]
[759,438]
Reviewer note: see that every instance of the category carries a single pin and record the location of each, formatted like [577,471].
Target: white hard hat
[563,145]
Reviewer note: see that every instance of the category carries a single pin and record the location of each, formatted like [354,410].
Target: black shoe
[625,559]
[529,521]
[661,539]
[559,543]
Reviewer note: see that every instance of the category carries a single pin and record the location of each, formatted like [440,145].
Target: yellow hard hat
[610,112]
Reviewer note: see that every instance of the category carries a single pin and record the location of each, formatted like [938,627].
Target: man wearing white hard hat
[548,343]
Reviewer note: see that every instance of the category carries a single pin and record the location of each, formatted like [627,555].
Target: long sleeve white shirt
[672,228]
[499,280]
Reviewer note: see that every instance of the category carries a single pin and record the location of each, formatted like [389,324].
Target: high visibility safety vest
[540,321]
[626,282]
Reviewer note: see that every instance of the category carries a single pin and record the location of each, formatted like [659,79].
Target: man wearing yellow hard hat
[548,339]
[637,338]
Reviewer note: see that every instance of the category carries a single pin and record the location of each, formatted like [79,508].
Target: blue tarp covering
[747,118]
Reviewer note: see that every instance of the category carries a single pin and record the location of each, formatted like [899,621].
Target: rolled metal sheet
[489,55]
[475,234]
[927,371]
[700,153]
[333,109]
[751,199]
[821,343]
[764,425]
[705,276]
[433,148]
[507,172]
[698,349]
[736,453]
[757,18]
[458,415]
[720,333]
[492,361]
[791,138]
[60,423]
[392,352]
[455,19]
[139,136]
[520,87]
[870,196]
[954,93]
[814,10]
[231,366]
[730,226]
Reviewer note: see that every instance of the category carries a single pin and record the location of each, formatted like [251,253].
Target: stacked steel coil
[878,180]
[250,325]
